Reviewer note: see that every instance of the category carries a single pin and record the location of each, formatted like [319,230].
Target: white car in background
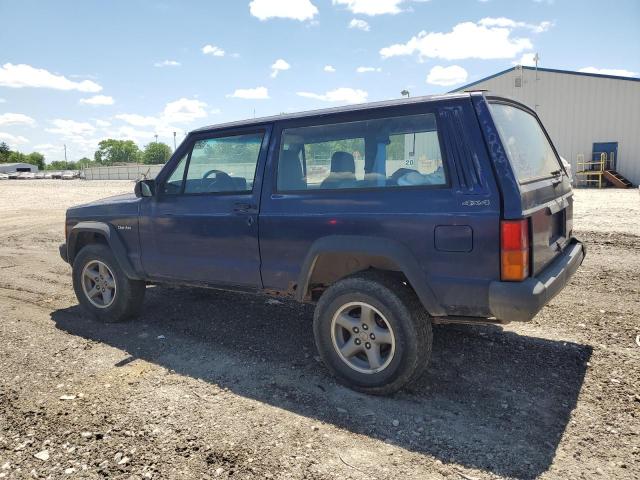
[48,175]
[4,176]
[69,175]
[39,175]
[26,176]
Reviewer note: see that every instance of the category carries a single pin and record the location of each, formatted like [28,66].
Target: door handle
[243,207]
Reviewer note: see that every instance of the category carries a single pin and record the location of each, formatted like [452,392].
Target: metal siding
[578,110]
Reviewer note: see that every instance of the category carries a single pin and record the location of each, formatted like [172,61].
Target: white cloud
[527,59]
[102,123]
[167,63]
[138,120]
[127,132]
[213,50]
[71,128]
[258,93]
[97,100]
[339,95]
[48,148]
[16,119]
[487,39]
[359,24]
[368,69]
[279,66]
[295,9]
[20,76]
[184,110]
[508,23]
[371,7]
[609,71]
[2,100]
[447,76]
[13,139]
[329,68]
[215,111]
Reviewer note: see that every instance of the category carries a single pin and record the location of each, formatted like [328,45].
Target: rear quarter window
[528,148]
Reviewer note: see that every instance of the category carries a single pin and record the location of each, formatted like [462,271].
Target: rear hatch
[545,194]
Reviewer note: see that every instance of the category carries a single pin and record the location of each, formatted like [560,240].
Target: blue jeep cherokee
[388,216]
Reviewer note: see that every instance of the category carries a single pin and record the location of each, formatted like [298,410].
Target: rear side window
[527,146]
[387,152]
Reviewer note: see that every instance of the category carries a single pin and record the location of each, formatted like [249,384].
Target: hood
[114,199]
[126,204]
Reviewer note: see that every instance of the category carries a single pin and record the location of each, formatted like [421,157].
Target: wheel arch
[334,257]
[85,233]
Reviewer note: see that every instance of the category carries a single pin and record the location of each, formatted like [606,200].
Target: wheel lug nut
[372,336]
[357,341]
[356,329]
[367,345]
[365,327]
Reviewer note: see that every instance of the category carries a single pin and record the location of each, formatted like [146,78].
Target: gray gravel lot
[210,384]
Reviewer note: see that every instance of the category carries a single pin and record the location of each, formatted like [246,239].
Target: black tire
[403,313]
[128,296]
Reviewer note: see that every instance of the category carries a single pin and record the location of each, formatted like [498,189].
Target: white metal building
[584,113]
[17,167]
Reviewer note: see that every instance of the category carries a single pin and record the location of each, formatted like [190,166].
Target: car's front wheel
[372,333]
[102,287]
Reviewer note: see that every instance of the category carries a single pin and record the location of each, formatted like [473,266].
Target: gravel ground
[210,384]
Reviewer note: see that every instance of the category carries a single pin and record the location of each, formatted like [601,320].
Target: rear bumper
[521,301]
[63,252]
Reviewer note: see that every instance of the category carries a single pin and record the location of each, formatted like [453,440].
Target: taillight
[514,250]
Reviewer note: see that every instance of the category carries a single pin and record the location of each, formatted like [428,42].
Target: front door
[202,225]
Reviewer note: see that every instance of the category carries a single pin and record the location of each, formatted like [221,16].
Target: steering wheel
[221,183]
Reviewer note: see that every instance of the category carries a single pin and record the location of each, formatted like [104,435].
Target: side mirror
[144,188]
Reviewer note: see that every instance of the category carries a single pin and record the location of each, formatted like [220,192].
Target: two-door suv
[387,216]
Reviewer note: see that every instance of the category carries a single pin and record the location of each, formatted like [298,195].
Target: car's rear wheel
[102,287]
[372,333]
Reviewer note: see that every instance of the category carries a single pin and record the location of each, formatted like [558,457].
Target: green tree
[156,153]
[62,165]
[4,152]
[84,162]
[111,151]
[36,158]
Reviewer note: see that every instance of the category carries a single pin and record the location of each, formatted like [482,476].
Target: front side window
[387,152]
[527,147]
[217,165]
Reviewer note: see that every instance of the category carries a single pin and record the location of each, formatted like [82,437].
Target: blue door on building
[610,149]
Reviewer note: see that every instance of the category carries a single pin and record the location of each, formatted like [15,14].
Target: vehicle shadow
[491,399]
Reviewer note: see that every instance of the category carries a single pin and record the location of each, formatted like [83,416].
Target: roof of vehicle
[333,110]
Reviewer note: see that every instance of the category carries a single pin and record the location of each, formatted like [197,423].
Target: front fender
[393,250]
[114,241]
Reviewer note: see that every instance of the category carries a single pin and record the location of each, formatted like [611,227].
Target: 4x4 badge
[474,203]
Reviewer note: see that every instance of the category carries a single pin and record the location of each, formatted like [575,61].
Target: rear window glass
[527,146]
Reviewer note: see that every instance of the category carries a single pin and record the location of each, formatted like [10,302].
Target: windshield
[527,146]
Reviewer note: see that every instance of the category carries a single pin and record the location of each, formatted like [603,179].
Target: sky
[76,72]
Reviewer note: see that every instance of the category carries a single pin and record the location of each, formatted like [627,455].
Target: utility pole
[65,156]
[536,59]
[156,135]
[174,141]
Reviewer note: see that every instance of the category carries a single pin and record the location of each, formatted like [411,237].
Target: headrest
[342,162]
